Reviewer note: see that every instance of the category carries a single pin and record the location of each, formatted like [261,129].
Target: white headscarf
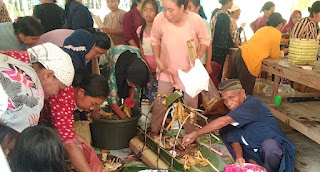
[53,58]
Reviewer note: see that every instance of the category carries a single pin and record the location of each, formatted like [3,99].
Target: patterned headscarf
[214,21]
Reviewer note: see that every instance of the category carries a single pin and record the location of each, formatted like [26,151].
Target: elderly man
[253,134]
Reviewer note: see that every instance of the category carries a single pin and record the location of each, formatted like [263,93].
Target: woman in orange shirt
[264,43]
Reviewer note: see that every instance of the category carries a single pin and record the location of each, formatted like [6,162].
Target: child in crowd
[149,12]
[113,22]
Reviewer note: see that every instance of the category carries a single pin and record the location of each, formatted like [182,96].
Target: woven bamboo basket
[303,51]
[83,130]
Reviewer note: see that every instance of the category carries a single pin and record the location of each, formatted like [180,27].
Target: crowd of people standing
[46,73]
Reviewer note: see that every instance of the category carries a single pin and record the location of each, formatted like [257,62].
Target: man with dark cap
[249,131]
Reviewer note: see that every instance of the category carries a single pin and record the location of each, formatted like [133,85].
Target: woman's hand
[172,71]
[122,115]
[131,93]
[105,30]
[81,140]
[243,25]
[161,65]
[285,51]
[208,68]
[116,109]
[95,113]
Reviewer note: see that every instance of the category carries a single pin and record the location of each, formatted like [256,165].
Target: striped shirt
[304,29]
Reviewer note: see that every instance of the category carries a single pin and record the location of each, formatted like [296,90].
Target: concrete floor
[307,151]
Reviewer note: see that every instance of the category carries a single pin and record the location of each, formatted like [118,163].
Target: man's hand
[240,161]
[189,138]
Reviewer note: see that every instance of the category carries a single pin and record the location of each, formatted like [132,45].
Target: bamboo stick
[217,138]
[212,149]
[192,51]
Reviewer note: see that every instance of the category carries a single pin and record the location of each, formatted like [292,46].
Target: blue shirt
[255,123]
[78,17]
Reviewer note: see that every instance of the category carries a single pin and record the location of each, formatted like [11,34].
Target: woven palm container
[83,130]
[303,52]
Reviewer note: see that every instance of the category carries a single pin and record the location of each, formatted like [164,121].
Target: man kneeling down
[253,134]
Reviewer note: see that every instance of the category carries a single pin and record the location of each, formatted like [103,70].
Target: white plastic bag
[196,80]
[143,121]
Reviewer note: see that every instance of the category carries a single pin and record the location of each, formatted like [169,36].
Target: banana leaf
[171,98]
[214,159]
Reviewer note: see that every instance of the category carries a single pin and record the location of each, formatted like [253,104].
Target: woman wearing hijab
[294,18]
[83,46]
[127,72]
[221,29]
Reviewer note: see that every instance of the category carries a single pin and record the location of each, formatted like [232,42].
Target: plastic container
[277,100]
[114,134]
[246,167]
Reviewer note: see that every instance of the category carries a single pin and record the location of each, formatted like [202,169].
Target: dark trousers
[269,155]
[241,72]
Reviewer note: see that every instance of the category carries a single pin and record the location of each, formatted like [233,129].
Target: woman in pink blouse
[171,30]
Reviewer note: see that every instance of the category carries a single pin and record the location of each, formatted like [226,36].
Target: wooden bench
[282,68]
[302,116]
[300,122]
